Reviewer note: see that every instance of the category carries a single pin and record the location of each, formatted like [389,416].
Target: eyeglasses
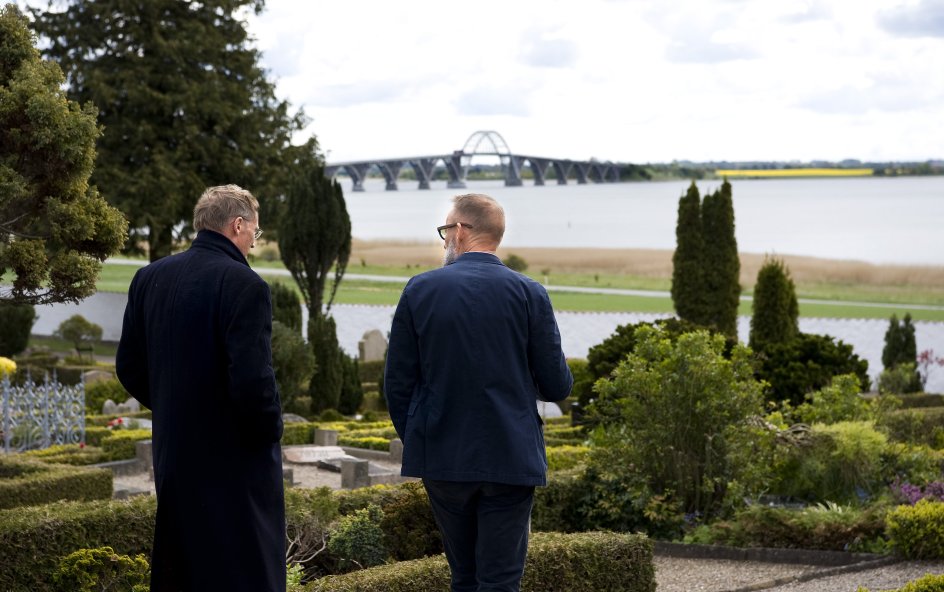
[256,233]
[442,229]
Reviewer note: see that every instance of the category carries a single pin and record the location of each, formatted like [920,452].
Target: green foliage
[352,393]
[55,229]
[96,393]
[316,237]
[928,583]
[371,371]
[603,358]
[585,562]
[917,532]
[688,271]
[368,442]
[122,444]
[69,454]
[309,514]
[326,383]
[673,414]
[827,527]
[292,360]
[775,312]
[900,346]
[82,333]
[286,306]
[32,540]
[26,481]
[562,458]
[298,433]
[184,104]
[583,380]
[410,530]
[94,570]
[358,541]
[899,379]
[16,322]
[805,364]
[722,266]
[917,426]
[840,401]
[515,263]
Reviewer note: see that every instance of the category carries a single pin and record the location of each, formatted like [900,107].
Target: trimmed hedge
[917,426]
[95,434]
[102,420]
[122,444]
[370,442]
[917,531]
[69,454]
[298,433]
[561,458]
[584,562]
[920,400]
[370,371]
[27,482]
[33,540]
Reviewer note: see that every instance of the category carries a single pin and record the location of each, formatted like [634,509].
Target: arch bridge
[456,164]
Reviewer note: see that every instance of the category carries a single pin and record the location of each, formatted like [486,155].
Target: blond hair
[219,205]
[482,213]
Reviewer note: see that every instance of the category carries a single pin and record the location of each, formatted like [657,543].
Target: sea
[895,220]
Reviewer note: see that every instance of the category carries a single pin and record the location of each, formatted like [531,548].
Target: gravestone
[130,406]
[396,450]
[293,418]
[355,474]
[326,437]
[312,454]
[109,408]
[372,346]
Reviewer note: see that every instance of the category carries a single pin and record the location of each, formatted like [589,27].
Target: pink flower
[81,445]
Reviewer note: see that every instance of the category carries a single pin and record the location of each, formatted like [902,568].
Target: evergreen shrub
[368,442]
[352,392]
[917,532]
[16,322]
[775,312]
[916,426]
[29,482]
[292,361]
[561,458]
[286,307]
[68,454]
[294,434]
[98,392]
[122,444]
[585,562]
[358,541]
[94,570]
[370,371]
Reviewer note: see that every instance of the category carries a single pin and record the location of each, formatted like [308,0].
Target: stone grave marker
[372,346]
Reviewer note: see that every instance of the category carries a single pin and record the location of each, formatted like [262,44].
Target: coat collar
[479,258]
[210,240]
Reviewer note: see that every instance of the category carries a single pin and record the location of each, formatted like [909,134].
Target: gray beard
[451,255]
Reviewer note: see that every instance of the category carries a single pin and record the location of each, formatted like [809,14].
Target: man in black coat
[195,348]
[473,346]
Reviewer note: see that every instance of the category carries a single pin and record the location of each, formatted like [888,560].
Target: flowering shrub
[7,366]
[912,494]
[926,363]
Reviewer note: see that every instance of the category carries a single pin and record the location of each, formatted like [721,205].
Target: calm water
[879,220]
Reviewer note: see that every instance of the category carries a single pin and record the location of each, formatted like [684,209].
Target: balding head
[483,214]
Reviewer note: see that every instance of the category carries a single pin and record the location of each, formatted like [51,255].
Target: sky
[622,80]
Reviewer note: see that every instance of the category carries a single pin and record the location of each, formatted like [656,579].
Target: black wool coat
[195,348]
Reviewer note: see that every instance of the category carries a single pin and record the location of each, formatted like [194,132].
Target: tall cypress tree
[183,101]
[688,273]
[775,316]
[890,353]
[313,239]
[722,266]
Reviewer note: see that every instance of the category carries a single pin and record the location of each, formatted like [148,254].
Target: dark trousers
[485,532]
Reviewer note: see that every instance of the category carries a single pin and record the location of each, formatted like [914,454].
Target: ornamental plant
[7,366]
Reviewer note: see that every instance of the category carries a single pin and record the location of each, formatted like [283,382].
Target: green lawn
[116,278]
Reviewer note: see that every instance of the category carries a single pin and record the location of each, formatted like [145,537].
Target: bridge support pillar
[456,171]
[423,169]
[391,170]
[538,169]
[513,171]
[358,173]
[581,169]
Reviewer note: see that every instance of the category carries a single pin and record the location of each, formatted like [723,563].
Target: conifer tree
[183,101]
[55,228]
[722,266]
[315,238]
[900,344]
[775,317]
[688,274]
[286,306]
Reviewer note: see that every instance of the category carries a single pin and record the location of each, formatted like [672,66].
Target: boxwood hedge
[28,482]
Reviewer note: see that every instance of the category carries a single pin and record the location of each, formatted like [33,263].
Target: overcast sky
[630,80]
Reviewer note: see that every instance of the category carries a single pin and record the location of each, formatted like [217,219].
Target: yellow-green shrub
[29,482]
[121,444]
[92,570]
[370,443]
[298,433]
[560,458]
[917,531]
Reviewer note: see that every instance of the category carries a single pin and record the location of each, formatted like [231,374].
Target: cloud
[493,101]
[705,51]
[349,95]
[886,96]
[924,19]
[815,11]
[537,50]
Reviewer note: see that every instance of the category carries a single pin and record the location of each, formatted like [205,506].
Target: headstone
[292,418]
[130,406]
[312,454]
[396,450]
[355,474]
[96,376]
[288,476]
[372,346]
[109,408]
[547,410]
[326,437]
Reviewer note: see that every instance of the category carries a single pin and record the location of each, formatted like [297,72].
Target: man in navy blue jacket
[473,346]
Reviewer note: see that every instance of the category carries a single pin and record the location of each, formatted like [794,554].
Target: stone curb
[835,562]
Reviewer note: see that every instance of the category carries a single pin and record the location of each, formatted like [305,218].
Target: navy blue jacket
[473,346]
[196,349]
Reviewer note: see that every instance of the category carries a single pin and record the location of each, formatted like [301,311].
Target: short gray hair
[482,213]
[218,205]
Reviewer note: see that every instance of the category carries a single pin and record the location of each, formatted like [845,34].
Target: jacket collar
[210,240]
[479,258]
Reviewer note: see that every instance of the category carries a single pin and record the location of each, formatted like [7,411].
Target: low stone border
[835,562]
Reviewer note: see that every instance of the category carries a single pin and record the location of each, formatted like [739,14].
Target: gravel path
[889,577]
[675,574]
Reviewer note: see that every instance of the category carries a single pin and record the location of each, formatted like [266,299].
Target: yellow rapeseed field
[766,173]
